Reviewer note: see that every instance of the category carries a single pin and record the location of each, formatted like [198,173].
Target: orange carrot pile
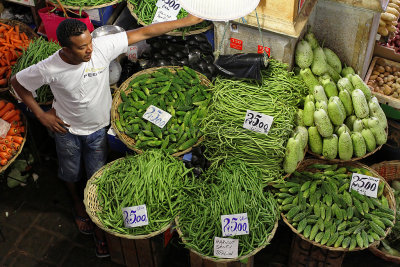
[12,142]
[12,43]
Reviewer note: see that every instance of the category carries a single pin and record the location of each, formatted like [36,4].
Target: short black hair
[68,28]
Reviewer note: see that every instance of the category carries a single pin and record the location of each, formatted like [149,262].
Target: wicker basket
[255,251]
[23,28]
[387,193]
[88,7]
[10,161]
[92,206]
[350,160]
[128,141]
[390,170]
[131,8]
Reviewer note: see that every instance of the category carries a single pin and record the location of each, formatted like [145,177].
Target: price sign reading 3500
[365,185]
[257,122]
[235,224]
[157,116]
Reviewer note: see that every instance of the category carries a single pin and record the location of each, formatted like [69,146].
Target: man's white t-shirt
[82,96]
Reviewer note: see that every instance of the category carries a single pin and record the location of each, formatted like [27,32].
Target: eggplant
[202,65]
[205,47]
[174,62]
[179,54]
[171,49]
[163,62]
[211,68]
[164,52]
[183,61]
[209,59]
[200,38]
[156,45]
[195,51]
[193,43]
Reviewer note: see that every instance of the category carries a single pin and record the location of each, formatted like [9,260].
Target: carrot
[10,138]
[4,155]
[6,108]
[9,151]
[10,145]
[2,104]
[3,147]
[3,162]
[15,118]
[17,146]
[9,114]
[4,141]
[13,131]
[3,82]
[21,129]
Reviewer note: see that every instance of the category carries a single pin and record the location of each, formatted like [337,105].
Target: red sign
[301,3]
[236,44]
[267,50]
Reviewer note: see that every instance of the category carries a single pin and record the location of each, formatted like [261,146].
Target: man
[78,76]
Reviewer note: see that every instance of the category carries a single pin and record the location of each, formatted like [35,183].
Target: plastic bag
[4,128]
[241,65]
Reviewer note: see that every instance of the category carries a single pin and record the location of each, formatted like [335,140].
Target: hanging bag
[51,19]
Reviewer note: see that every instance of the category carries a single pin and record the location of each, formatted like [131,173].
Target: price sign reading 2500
[364,184]
[235,224]
[257,122]
[135,216]
[157,116]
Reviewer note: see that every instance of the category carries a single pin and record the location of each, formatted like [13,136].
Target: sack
[52,20]
[247,66]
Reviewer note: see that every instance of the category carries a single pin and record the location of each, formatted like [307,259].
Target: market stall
[222,163]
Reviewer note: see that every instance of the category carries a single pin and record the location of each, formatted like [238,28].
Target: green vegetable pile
[145,10]
[223,128]
[391,244]
[79,3]
[38,50]
[231,188]
[318,204]
[342,118]
[181,94]
[152,178]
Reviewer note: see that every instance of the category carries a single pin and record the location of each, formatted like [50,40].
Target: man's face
[81,48]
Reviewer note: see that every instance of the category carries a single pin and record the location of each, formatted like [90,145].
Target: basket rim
[350,160]
[383,255]
[131,8]
[117,97]
[90,7]
[95,220]
[388,194]
[25,121]
[255,251]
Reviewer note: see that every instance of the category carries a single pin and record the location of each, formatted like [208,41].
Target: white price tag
[157,116]
[226,247]
[167,10]
[135,216]
[235,224]
[364,184]
[132,52]
[257,122]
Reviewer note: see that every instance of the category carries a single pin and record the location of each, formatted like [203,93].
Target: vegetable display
[79,3]
[343,120]
[231,188]
[223,129]
[391,244]
[152,178]
[145,11]
[38,50]
[318,204]
[182,93]
[389,18]
[11,143]
[193,51]
[12,43]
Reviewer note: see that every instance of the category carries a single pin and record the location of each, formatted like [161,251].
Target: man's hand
[192,20]
[52,122]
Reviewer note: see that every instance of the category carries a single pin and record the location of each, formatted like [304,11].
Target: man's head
[75,40]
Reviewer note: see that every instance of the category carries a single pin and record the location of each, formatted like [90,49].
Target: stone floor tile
[10,235]
[81,257]
[23,260]
[57,249]
[35,242]
[60,222]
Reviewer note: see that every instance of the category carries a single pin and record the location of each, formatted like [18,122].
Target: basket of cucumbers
[161,108]
[318,206]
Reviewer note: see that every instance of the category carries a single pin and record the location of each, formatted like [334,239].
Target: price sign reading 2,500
[257,122]
[156,116]
[135,216]
[236,224]
[364,184]
[172,4]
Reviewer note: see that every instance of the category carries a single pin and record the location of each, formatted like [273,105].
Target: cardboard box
[100,16]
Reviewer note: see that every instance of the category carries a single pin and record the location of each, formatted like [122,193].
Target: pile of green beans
[38,50]
[153,178]
[81,3]
[223,127]
[232,188]
[146,10]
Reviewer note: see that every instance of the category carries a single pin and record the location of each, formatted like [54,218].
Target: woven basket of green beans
[233,187]
[91,4]
[277,95]
[38,50]
[144,12]
[153,178]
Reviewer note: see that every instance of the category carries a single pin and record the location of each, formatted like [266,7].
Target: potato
[394,68]
[380,69]
[395,94]
[389,83]
[387,91]
[390,78]
[386,73]
[381,75]
[397,73]
[373,77]
[398,90]
[385,79]
[388,69]
[375,72]
[398,80]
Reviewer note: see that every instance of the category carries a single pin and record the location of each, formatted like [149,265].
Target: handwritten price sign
[364,184]
[257,122]
[235,224]
[157,116]
[226,247]
[135,216]
[167,10]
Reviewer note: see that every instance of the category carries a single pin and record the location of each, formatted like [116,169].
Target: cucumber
[329,88]
[345,146]
[345,97]
[360,104]
[359,146]
[323,123]
[303,54]
[319,94]
[358,83]
[345,84]
[309,79]
[375,110]
[315,140]
[310,38]
[330,147]
[333,60]
[336,111]
[308,114]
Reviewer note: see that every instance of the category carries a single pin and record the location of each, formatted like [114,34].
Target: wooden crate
[138,252]
[384,99]
[198,261]
[304,253]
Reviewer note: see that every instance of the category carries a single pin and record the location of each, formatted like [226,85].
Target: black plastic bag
[247,66]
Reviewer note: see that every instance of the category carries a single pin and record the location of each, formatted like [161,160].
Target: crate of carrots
[15,37]
[11,145]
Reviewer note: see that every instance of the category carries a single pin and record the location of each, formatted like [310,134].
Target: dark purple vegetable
[157,56]
[164,52]
[179,54]
[200,38]
[162,62]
